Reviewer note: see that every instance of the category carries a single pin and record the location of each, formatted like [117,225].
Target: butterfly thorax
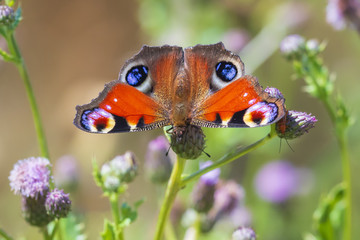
[181,106]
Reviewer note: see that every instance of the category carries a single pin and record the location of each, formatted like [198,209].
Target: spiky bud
[34,211]
[295,124]
[57,203]
[188,142]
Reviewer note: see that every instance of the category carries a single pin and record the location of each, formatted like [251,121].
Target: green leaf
[109,231]
[10,3]
[129,214]
[329,216]
[97,175]
[68,228]
[18,18]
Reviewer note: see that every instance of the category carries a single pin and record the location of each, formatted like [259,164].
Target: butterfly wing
[134,102]
[243,103]
[222,95]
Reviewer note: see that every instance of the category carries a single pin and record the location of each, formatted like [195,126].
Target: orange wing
[120,108]
[242,103]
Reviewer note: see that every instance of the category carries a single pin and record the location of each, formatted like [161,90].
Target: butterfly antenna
[289,145]
[280,145]
[167,152]
[209,156]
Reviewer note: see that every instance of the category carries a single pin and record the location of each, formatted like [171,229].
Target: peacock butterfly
[200,86]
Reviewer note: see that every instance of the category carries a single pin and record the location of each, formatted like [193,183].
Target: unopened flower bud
[244,233]
[158,161]
[122,169]
[188,142]
[295,124]
[292,45]
[57,203]
[274,92]
[7,15]
[203,194]
[34,211]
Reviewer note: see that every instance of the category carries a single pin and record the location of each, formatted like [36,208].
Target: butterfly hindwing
[242,103]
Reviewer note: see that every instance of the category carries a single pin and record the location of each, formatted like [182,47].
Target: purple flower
[274,92]
[34,211]
[244,233]
[30,177]
[57,203]
[236,39]
[158,161]
[292,44]
[277,181]
[212,177]
[7,15]
[338,12]
[66,172]
[295,124]
[203,193]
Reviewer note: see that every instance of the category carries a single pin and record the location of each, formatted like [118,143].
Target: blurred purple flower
[339,12]
[235,39]
[292,44]
[30,177]
[203,193]
[241,216]
[244,233]
[57,203]
[7,15]
[158,161]
[212,177]
[66,173]
[278,181]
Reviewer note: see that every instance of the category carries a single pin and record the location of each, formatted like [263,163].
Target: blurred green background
[72,48]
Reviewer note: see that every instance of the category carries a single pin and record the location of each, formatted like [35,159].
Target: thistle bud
[7,15]
[203,194]
[159,161]
[294,124]
[292,45]
[188,142]
[244,233]
[34,211]
[122,169]
[57,203]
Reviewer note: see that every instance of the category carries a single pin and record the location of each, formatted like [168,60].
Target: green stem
[45,233]
[20,64]
[174,185]
[114,201]
[4,235]
[346,167]
[229,157]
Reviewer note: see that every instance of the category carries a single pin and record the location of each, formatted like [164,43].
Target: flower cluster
[31,178]
[114,174]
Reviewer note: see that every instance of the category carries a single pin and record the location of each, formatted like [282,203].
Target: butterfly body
[200,86]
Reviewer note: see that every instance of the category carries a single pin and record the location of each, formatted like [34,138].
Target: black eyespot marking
[136,75]
[226,71]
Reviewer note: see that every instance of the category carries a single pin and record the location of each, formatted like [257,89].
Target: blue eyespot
[226,71]
[136,75]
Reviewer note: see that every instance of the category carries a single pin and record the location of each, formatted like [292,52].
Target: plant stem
[114,201]
[174,185]
[20,64]
[229,157]
[4,235]
[346,167]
